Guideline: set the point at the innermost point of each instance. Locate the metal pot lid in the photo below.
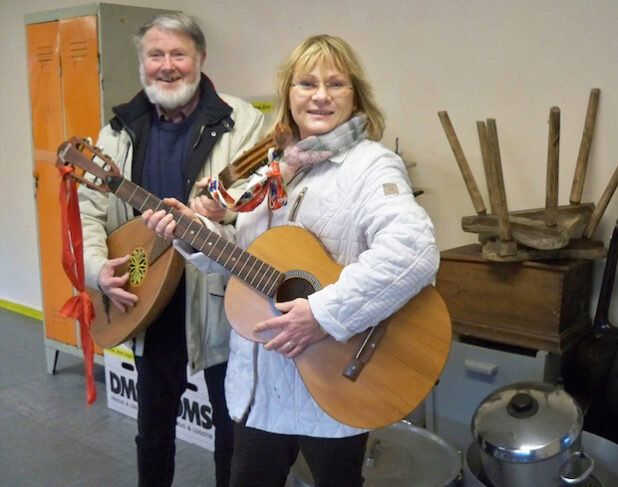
(527, 422)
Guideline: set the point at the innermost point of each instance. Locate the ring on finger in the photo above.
(289, 345)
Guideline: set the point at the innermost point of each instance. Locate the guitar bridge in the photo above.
(364, 353)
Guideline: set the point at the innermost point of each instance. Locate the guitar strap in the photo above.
(79, 306)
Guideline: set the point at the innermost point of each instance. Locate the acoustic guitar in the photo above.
(374, 379)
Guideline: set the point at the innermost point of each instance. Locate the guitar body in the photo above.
(403, 368)
(155, 269)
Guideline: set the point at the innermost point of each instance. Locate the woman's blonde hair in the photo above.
(327, 50)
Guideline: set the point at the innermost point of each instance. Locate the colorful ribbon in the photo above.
(266, 182)
(79, 306)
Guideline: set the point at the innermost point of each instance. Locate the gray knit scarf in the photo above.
(318, 148)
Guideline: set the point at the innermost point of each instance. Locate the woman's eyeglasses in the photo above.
(333, 88)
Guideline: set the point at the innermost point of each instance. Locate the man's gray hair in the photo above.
(177, 22)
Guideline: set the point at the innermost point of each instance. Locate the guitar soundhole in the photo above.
(295, 287)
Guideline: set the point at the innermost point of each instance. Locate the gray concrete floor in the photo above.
(50, 437)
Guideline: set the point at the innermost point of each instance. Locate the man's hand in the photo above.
(205, 206)
(112, 285)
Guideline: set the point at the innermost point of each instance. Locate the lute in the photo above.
(154, 268)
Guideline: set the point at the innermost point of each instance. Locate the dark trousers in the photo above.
(161, 381)
(263, 459)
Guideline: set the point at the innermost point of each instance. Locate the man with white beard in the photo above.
(176, 131)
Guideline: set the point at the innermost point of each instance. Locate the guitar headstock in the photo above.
(283, 136)
(79, 153)
(256, 156)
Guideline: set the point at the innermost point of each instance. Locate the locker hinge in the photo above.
(35, 176)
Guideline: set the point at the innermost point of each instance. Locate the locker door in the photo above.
(48, 133)
(80, 76)
(81, 94)
(65, 98)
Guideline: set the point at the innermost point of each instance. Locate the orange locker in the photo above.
(79, 68)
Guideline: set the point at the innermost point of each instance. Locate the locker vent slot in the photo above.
(45, 54)
(78, 50)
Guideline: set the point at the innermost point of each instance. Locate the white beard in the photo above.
(169, 99)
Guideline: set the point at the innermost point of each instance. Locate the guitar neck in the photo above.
(255, 272)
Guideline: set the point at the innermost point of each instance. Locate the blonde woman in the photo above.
(355, 196)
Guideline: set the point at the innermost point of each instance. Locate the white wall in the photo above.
(477, 59)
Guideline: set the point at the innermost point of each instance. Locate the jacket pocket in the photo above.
(218, 327)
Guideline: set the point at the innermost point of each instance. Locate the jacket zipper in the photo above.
(296, 205)
(199, 136)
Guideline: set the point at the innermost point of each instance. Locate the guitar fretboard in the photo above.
(256, 273)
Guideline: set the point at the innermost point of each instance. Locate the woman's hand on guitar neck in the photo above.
(299, 328)
(112, 285)
(162, 221)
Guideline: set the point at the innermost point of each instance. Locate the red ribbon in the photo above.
(79, 306)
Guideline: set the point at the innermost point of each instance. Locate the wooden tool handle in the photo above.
(473, 190)
(595, 218)
(584, 148)
(553, 153)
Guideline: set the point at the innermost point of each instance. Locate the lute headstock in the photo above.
(102, 175)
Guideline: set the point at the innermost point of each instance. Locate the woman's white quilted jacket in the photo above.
(360, 206)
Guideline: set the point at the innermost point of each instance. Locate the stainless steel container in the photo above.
(530, 433)
(401, 455)
(604, 452)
